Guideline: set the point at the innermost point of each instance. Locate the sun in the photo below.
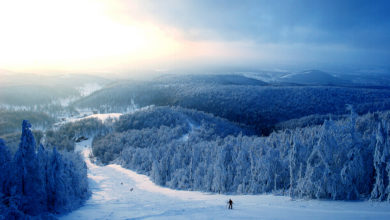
(75, 34)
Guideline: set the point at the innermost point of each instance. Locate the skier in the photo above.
(230, 202)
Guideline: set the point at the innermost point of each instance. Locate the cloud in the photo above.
(95, 35)
(350, 27)
(274, 21)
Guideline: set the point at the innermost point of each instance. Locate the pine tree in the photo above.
(25, 179)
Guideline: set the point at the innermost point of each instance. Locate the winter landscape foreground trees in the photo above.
(39, 182)
(347, 159)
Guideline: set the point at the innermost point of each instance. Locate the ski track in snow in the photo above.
(112, 200)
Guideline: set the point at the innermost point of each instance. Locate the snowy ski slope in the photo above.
(112, 198)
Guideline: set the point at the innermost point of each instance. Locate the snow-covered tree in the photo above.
(335, 160)
(26, 182)
(35, 183)
(381, 162)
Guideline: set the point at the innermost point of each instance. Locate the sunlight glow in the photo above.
(75, 34)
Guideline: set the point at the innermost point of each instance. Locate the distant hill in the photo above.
(30, 95)
(64, 80)
(20, 89)
(219, 79)
(259, 107)
(313, 77)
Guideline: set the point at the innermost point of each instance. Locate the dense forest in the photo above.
(247, 102)
(346, 159)
(36, 182)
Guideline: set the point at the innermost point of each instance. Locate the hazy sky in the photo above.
(111, 35)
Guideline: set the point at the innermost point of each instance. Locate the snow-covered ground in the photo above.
(103, 117)
(85, 114)
(119, 193)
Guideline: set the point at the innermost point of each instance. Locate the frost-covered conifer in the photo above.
(25, 179)
(381, 159)
(34, 183)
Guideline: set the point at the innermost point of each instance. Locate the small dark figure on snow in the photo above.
(121, 183)
(131, 189)
(230, 202)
